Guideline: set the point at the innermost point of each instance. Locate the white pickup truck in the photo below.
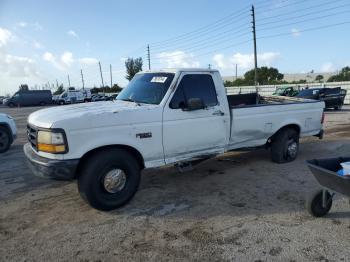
(160, 118)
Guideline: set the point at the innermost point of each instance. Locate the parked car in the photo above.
(98, 97)
(30, 98)
(286, 91)
(333, 97)
(70, 97)
(8, 132)
(1, 99)
(161, 118)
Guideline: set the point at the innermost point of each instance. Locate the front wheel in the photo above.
(5, 140)
(285, 146)
(314, 204)
(109, 179)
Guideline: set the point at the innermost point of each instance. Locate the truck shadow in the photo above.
(236, 184)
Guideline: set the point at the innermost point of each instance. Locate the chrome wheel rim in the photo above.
(292, 149)
(114, 181)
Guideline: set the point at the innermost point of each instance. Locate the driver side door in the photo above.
(192, 133)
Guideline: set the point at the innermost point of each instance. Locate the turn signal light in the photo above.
(51, 148)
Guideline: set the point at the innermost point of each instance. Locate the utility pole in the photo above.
(82, 78)
(255, 55)
(149, 58)
(56, 83)
(103, 85)
(110, 71)
(236, 71)
(68, 82)
(209, 66)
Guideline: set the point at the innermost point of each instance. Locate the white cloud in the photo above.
(5, 36)
(88, 61)
(72, 34)
(328, 67)
(295, 32)
(36, 26)
(66, 60)
(177, 59)
(244, 61)
(37, 45)
(62, 63)
(22, 24)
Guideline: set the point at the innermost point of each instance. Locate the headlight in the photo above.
(51, 142)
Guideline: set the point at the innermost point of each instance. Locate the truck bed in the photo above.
(253, 100)
(254, 119)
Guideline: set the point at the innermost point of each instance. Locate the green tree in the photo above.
(343, 75)
(132, 67)
(266, 76)
(59, 90)
(319, 78)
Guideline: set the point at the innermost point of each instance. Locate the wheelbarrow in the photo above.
(325, 171)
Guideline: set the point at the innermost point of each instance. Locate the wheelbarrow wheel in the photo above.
(314, 204)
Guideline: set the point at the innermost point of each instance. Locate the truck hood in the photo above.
(92, 115)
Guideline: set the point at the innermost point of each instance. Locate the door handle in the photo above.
(218, 113)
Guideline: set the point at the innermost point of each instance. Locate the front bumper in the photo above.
(50, 168)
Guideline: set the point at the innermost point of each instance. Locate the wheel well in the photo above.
(129, 149)
(292, 126)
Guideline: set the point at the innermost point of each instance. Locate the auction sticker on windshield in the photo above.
(158, 79)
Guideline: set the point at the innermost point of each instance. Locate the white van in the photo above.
(74, 96)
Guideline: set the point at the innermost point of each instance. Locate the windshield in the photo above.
(148, 88)
(280, 91)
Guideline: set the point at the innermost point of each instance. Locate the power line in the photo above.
(228, 33)
(201, 29)
(206, 45)
(305, 30)
(305, 20)
(197, 35)
(299, 10)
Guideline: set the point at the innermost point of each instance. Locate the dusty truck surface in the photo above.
(161, 118)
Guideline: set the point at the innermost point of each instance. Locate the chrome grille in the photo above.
(32, 132)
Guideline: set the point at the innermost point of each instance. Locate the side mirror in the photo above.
(194, 104)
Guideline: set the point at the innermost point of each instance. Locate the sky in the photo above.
(43, 41)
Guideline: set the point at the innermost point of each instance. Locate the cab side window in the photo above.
(195, 86)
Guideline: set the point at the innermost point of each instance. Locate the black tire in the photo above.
(92, 176)
(61, 102)
(42, 103)
(5, 139)
(11, 104)
(285, 146)
(314, 204)
(339, 107)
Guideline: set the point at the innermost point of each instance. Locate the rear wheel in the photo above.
(5, 139)
(285, 146)
(339, 107)
(109, 179)
(61, 102)
(42, 103)
(314, 204)
(11, 104)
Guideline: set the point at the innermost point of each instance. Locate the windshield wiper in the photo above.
(130, 100)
